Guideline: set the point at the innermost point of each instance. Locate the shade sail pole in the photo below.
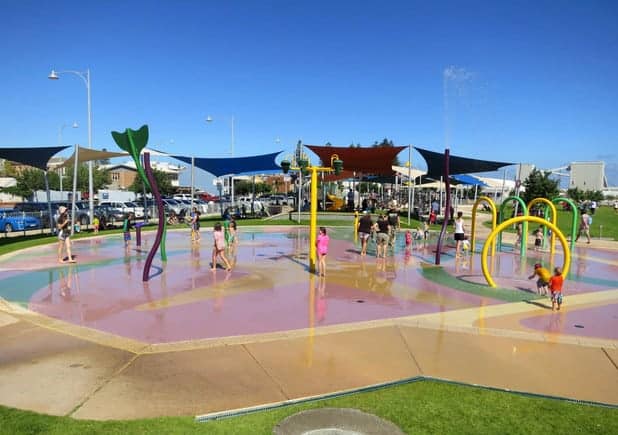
(409, 181)
(447, 206)
(49, 209)
(74, 188)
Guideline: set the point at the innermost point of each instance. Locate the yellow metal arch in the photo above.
(494, 221)
(555, 230)
(554, 219)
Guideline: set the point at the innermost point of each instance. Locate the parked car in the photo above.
(82, 211)
(278, 200)
(231, 212)
(11, 220)
(108, 215)
(178, 208)
(125, 207)
(38, 210)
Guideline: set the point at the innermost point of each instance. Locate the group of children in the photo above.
(225, 236)
(547, 281)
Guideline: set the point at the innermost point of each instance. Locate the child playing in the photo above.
(95, 224)
(322, 247)
(408, 238)
(555, 285)
(195, 226)
(518, 237)
(465, 246)
(538, 239)
(126, 229)
(544, 276)
(218, 249)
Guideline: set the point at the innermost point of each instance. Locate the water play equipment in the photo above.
(554, 220)
(494, 218)
(567, 254)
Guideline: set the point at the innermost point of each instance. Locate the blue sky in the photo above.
(518, 81)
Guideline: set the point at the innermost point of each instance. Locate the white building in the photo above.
(587, 176)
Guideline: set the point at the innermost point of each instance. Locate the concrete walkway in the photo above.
(57, 368)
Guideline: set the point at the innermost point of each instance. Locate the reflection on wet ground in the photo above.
(270, 288)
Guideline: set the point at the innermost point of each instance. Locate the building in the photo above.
(587, 176)
(123, 174)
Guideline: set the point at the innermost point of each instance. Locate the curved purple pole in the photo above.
(161, 211)
(447, 206)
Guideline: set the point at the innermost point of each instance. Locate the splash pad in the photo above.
(270, 289)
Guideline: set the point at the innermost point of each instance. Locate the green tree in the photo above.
(32, 179)
(164, 184)
(575, 194)
(594, 195)
(243, 187)
(539, 185)
(100, 178)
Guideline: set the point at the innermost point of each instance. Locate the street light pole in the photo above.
(231, 184)
(85, 76)
(60, 143)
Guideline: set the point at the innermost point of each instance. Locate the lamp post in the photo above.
(336, 165)
(85, 76)
(210, 119)
(61, 170)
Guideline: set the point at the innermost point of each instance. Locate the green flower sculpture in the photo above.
(133, 142)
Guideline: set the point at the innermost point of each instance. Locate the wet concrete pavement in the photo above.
(92, 341)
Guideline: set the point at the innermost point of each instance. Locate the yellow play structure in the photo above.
(525, 219)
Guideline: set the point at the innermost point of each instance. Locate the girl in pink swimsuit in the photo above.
(322, 247)
(218, 250)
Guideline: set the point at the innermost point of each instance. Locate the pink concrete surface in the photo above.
(600, 322)
(269, 289)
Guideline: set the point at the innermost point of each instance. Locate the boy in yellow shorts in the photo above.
(543, 282)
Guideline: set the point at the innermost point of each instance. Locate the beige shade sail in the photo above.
(403, 170)
(88, 154)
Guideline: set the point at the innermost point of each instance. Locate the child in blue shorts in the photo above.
(126, 228)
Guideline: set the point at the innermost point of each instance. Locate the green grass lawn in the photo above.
(431, 407)
(604, 223)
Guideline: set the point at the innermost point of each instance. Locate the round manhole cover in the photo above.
(335, 421)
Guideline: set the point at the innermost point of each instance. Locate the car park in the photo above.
(82, 211)
(125, 207)
(11, 220)
(38, 210)
(171, 205)
(108, 215)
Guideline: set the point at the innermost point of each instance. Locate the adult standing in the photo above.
(460, 234)
(593, 207)
(435, 207)
(63, 225)
(350, 200)
(394, 225)
(584, 226)
(382, 236)
(364, 231)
